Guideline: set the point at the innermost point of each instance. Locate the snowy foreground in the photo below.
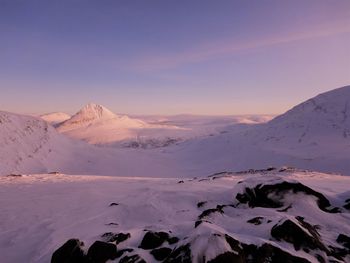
(247, 217)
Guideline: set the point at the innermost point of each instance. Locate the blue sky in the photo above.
(171, 57)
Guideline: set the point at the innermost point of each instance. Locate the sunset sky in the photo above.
(170, 57)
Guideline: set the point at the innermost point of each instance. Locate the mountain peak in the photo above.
(89, 113)
(94, 111)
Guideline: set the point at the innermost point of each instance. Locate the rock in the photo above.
(181, 254)
(100, 252)
(269, 253)
(69, 252)
(132, 259)
(173, 240)
(227, 257)
(234, 244)
(347, 204)
(161, 253)
(292, 233)
(121, 252)
(117, 238)
(14, 175)
(272, 196)
(205, 213)
(344, 240)
(200, 204)
(113, 204)
(256, 220)
(153, 240)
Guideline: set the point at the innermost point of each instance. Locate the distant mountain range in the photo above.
(312, 135)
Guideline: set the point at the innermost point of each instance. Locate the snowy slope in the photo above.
(323, 118)
(216, 209)
(55, 118)
(29, 144)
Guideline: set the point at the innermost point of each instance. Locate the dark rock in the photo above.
(234, 244)
(269, 253)
(344, 240)
(117, 238)
(285, 209)
(207, 212)
(173, 240)
(132, 259)
(197, 223)
(256, 220)
(228, 257)
(180, 182)
(294, 234)
(112, 224)
(100, 252)
(69, 252)
(153, 240)
(347, 204)
(181, 254)
(200, 204)
(14, 175)
(161, 253)
(121, 252)
(113, 204)
(339, 253)
(271, 196)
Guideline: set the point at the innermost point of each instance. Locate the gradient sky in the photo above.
(171, 57)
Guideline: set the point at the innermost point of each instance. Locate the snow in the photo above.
(310, 136)
(77, 206)
(102, 157)
(55, 118)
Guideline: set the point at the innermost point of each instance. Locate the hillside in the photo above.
(55, 118)
(313, 135)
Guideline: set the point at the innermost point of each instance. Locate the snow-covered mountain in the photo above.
(98, 125)
(317, 129)
(323, 118)
(30, 144)
(25, 142)
(312, 135)
(55, 118)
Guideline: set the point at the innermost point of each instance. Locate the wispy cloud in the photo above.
(228, 47)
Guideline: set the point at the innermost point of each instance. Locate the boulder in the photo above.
(293, 233)
(161, 253)
(69, 252)
(100, 252)
(272, 195)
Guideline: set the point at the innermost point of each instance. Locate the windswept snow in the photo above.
(79, 207)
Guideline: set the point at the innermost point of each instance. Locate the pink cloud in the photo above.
(213, 50)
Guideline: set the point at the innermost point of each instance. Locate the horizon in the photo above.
(232, 58)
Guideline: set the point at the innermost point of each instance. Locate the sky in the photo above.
(171, 57)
